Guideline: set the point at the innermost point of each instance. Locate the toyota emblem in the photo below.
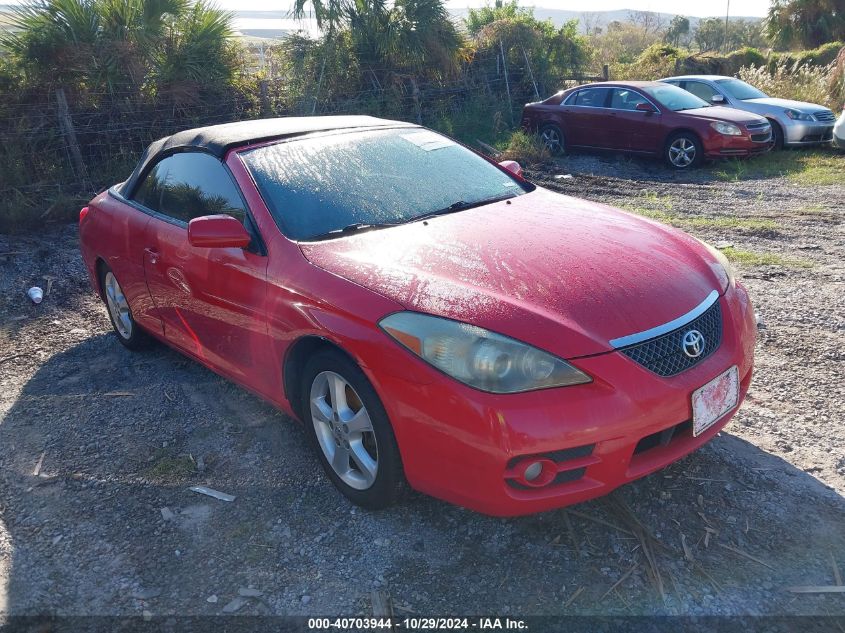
(693, 343)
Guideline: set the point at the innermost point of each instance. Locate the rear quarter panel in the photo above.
(115, 232)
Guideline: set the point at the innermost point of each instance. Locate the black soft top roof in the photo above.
(219, 139)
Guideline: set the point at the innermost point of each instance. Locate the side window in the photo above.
(197, 184)
(700, 90)
(148, 193)
(189, 185)
(623, 99)
(591, 98)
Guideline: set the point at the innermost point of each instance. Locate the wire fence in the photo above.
(58, 149)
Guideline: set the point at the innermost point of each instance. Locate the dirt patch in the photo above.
(108, 526)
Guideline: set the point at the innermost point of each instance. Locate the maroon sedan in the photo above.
(646, 117)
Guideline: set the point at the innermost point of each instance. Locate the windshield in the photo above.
(675, 98)
(319, 185)
(740, 90)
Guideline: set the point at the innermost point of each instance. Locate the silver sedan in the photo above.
(794, 123)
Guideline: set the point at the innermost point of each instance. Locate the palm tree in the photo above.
(807, 23)
(120, 46)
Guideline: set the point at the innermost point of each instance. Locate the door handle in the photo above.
(152, 255)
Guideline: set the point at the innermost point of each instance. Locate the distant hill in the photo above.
(601, 19)
(277, 24)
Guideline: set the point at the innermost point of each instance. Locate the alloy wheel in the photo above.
(551, 139)
(682, 152)
(344, 430)
(118, 306)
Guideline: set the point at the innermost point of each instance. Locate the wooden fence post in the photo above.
(415, 93)
(70, 137)
(605, 72)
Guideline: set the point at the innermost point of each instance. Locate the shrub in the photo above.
(821, 56)
(746, 56)
(525, 149)
(803, 83)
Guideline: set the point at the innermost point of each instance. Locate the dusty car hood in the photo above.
(557, 272)
(802, 106)
(722, 113)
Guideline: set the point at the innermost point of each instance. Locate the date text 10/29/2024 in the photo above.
(418, 624)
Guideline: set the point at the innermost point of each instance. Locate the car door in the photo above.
(212, 301)
(585, 114)
(631, 129)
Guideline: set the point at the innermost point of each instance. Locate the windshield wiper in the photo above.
(462, 205)
(355, 227)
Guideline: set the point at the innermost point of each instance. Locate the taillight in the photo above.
(82, 213)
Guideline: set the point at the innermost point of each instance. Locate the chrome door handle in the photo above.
(152, 255)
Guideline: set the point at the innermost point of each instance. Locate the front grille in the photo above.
(664, 355)
(824, 115)
(761, 125)
(761, 138)
(826, 135)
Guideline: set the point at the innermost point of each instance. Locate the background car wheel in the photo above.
(777, 135)
(351, 432)
(120, 314)
(683, 150)
(553, 140)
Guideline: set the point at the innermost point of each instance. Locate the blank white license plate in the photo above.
(714, 400)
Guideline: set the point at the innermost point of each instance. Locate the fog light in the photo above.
(533, 471)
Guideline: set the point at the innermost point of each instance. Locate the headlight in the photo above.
(728, 129)
(725, 270)
(795, 115)
(480, 358)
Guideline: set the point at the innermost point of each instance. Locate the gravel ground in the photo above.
(108, 525)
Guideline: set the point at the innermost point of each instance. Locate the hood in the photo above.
(722, 113)
(801, 106)
(560, 273)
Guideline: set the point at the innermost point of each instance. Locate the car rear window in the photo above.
(317, 185)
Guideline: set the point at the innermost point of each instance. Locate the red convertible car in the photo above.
(432, 318)
(646, 117)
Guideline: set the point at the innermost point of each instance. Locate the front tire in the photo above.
(120, 314)
(351, 433)
(551, 136)
(777, 135)
(683, 150)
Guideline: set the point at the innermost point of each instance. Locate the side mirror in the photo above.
(217, 231)
(513, 167)
(717, 99)
(644, 106)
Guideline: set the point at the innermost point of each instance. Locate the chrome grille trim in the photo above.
(824, 115)
(665, 355)
(674, 324)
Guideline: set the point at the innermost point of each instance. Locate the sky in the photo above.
(700, 8)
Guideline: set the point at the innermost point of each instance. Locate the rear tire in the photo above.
(552, 138)
(120, 314)
(683, 151)
(350, 431)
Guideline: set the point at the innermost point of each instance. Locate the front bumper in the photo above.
(807, 132)
(459, 444)
(720, 146)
